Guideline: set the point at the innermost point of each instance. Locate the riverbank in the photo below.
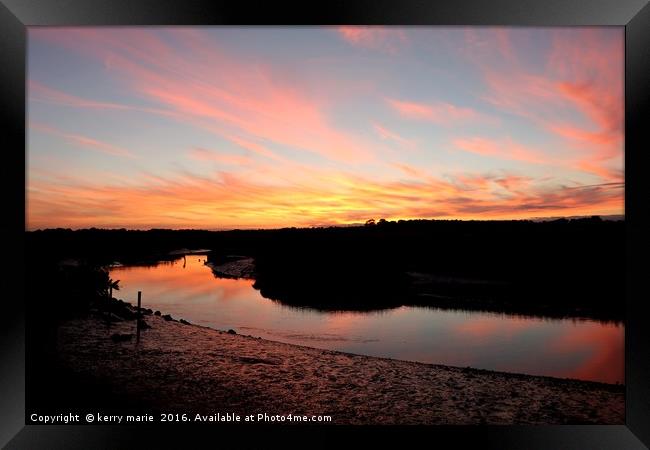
(421, 289)
(178, 367)
(234, 267)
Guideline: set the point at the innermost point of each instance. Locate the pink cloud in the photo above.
(219, 93)
(614, 174)
(201, 154)
(411, 171)
(516, 186)
(577, 96)
(40, 92)
(387, 39)
(513, 183)
(84, 141)
(386, 134)
(504, 43)
(254, 147)
(440, 112)
(471, 182)
(504, 149)
(604, 109)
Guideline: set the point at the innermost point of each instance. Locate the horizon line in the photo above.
(605, 217)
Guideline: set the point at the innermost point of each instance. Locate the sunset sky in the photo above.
(243, 127)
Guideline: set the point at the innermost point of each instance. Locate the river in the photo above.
(573, 348)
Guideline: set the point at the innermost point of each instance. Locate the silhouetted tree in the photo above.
(112, 284)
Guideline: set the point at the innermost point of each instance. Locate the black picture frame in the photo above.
(16, 15)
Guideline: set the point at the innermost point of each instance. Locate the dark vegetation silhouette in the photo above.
(562, 268)
(558, 268)
(56, 292)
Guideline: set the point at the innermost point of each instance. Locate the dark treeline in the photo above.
(562, 268)
(557, 268)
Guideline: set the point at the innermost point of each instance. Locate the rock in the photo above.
(231, 331)
(143, 325)
(184, 322)
(147, 311)
(167, 317)
(117, 337)
(124, 312)
(157, 313)
(115, 318)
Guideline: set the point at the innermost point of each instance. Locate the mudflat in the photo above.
(179, 367)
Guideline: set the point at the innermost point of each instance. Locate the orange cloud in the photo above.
(513, 182)
(226, 200)
(201, 154)
(410, 170)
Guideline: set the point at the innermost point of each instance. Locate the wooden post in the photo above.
(139, 316)
(108, 305)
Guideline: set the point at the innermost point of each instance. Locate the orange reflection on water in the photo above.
(603, 347)
(581, 349)
(568, 348)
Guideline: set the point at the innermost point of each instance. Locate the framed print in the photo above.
(361, 218)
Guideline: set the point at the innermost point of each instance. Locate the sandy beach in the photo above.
(178, 367)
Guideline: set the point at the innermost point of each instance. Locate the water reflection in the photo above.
(186, 288)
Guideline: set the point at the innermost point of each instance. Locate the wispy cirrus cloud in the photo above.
(387, 39)
(221, 94)
(441, 113)
(84, 141)
(266, 140)
(230, 200)
(505, 148)
(576, 96)
(589, 74)
(42, 93)
(202, 154)
(386, 134)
